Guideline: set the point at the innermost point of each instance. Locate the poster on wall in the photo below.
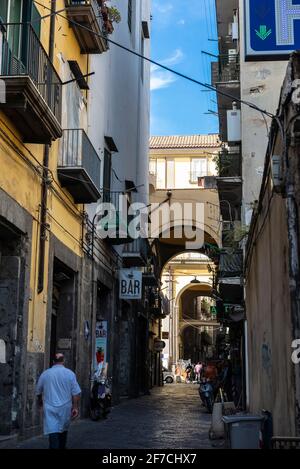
(101, 344)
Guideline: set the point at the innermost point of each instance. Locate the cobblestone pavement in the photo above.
(172, 418)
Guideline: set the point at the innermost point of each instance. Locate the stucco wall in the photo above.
(269, 319)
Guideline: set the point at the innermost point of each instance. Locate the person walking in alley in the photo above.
(58, 392)
(198, 369)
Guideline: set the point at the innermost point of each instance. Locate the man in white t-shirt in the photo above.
(59, 393)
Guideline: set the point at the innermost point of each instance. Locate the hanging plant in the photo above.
(110, 15)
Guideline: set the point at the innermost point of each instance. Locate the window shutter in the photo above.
(36, 20)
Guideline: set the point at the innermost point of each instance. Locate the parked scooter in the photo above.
(206, 393)
(100, 401)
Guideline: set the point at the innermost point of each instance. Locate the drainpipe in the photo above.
(44, 192)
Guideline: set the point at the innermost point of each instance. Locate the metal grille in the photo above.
(23, 54)
(228, 68)
(78, 152)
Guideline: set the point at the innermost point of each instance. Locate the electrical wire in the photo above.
(160, 65)
(39, 168)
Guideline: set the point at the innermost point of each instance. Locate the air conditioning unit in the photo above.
(234, 124)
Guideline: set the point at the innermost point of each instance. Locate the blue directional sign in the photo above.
(272, 28)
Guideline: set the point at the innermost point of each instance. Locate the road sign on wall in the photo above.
(272, 28)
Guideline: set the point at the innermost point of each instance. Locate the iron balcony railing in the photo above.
(229, 164)
(115, 220)
(79, 152)
(139, 246)
(96, 5)
(228, 68)
(24, 55)
(231, 263)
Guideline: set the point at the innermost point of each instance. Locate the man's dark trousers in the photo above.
(58, 440)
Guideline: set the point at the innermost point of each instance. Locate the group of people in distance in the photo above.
(194, 372)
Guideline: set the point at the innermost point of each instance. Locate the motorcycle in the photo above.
(100, 401)
(206, 393)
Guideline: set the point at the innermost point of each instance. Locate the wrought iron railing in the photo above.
(228, 68)
(231, 263)
(114, 220)
(138, 246)
(24, 55)
(96, 5)
(229, 164)
(79, 152)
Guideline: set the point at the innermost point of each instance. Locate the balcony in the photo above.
(135, 254)
(227, 69)
(230, 276)
(113, 223)
(89, 30)
(158, 305)
(229, 164)
(33, 88)
(79, 167)
(226, 78)
(231, 263)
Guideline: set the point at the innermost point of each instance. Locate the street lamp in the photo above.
(195, 280)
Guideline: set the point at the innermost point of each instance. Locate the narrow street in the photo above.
(172, 417)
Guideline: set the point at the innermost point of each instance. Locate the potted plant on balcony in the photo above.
(110, 15)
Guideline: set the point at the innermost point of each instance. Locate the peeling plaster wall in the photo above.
(271, 384)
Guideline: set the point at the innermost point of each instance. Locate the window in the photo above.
(152, 167)
(130, 15)
(17, 12)
(170, 174)
(198, 169)
(164, 170)
(36, 20)
(161, 173)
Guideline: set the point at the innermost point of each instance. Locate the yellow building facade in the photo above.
(49, 172)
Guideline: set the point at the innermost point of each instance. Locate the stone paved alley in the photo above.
(172, 417)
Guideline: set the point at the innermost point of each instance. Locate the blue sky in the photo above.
(181, 29)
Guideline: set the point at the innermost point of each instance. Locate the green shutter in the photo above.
(36, 20)
(3, 10)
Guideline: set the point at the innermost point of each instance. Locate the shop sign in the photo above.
(130, 284)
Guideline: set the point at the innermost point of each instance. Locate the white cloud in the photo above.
(174, 59)
(162, 9)
(162, 78)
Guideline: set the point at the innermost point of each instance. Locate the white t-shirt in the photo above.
(58, 384)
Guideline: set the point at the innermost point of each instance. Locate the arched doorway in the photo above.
(188, 281)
